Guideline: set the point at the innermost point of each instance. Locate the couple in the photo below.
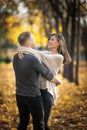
(35, 83)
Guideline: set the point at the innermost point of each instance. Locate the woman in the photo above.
(53, 59)
(56, 45)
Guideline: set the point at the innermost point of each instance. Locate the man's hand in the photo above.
(56, 81)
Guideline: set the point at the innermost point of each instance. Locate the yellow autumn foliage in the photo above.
(68, 113)
(23, 25)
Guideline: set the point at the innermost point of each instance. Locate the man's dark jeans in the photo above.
(48, 102)
(33, 105)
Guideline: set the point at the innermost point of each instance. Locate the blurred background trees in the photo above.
(42, 18)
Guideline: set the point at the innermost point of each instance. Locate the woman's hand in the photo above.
(20, 55)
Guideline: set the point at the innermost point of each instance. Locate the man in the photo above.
(28, 95)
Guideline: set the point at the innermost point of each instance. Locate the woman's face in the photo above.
(53, 43)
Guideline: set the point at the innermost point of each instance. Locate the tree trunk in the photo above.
(73, 30)
(66, 35)
(78, 41)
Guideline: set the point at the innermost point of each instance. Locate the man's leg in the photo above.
(23, 113)
(48, 102)
(37, 112)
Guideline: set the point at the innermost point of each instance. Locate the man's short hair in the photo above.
(22, 38)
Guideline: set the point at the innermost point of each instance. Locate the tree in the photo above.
(84, 38)
(6, 9)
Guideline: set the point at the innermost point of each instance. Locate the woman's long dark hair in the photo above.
(62, 49)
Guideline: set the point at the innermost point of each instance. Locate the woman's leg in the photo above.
(48, 102)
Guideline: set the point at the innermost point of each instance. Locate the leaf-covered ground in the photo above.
(68, 113)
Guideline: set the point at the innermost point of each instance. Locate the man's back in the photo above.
(27, 74)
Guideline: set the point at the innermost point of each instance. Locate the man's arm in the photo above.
(44, 71)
